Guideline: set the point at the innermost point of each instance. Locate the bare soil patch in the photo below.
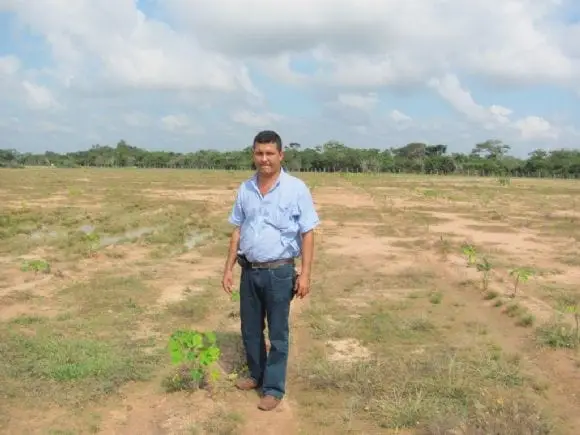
(334, 196)
(211, 195)
(501, 236)
(347, 350)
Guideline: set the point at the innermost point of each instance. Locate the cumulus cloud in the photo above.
(399, 117)
(111, 42)
(379, 42)
(494, 117)
(364, 102)
(333, 68)
(9, 65)
(534, 127)
(450, 89)
(39, 97)
(180, 124)
(253, 119)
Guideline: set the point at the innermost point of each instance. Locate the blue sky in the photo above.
(189, 74)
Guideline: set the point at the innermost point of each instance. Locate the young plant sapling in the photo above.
(575, 310)
(94, 240)
(471, 253)
(37, 266)
(520, 274)
(196, 351)
(235, 297)
(484, 266)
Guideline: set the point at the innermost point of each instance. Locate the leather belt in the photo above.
(271, 264)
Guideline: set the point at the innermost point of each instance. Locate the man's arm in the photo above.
(307, 252)
(233, 250)
(236, 218)
(307, 221)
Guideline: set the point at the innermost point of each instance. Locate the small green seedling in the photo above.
(575, 310)
(94, 241)
(471, 253)
(197, 351)
(520, 274)
(37, 266)
(235, 297)
(485, 267)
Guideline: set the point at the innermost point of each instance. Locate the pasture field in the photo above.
(415, 324)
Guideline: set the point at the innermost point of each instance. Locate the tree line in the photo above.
(489, 158)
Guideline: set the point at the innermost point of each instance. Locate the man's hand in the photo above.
(302, 287)
(228, 281)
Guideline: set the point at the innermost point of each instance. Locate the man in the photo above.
(274, 218)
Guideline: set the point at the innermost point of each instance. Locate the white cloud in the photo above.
(495, 117)
(253, 119)
(9, 65)
(400, 121)
(500, 111)
(364, 102)
(279, 67)
(534, 127)
(39, 97)
(392, 41)
(399, 117)
(180, 124)
(113, 43)
(450, 89)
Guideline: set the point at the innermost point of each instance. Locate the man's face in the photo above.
(267, 158)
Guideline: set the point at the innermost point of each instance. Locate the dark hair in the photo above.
(268, 136)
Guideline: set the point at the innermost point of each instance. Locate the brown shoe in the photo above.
(246, 384)
(268, 403)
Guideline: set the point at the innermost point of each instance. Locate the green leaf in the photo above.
(196, 375)
(196, 340)
(205, 358)
(215, 374)
(176, 357)
(211, 337)
(191, 356)
(197, 348)
(214, 353)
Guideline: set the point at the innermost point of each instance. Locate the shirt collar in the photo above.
(281, 177)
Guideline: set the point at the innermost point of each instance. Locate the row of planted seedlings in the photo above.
(557, 333)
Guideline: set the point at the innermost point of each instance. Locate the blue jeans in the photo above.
(266, 294)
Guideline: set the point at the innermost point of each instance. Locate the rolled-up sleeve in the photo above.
(308, 218)
(237, 215)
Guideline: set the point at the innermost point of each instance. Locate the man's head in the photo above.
(268, 152)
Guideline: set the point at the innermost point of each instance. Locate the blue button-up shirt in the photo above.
(271, 225)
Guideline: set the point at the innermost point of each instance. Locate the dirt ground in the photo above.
(439, 305)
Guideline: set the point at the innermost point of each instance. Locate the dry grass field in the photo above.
(412, 327)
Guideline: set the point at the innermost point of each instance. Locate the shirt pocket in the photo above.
(285, 216)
